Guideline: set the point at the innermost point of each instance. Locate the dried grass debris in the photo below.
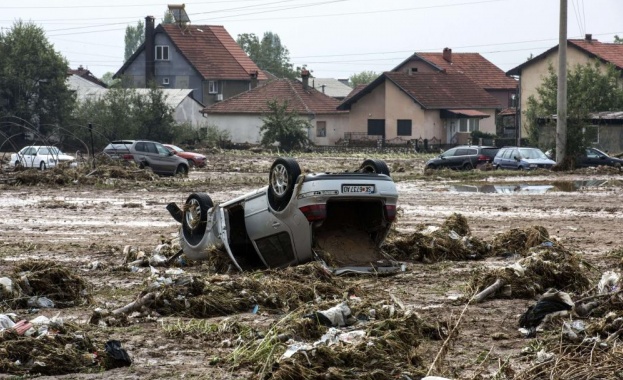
(519, 240)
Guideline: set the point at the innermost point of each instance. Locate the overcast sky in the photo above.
(335, 38)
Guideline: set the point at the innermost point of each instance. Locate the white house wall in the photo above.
(189, 111)
(246, 128)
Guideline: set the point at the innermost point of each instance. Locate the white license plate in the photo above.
(368, 189)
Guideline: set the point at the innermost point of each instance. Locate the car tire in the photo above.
(497, 167)
(42, 165)
(374, 166)
(181, 170)
(195, 217)
(467, 166)
(430, 166)
(281, 181)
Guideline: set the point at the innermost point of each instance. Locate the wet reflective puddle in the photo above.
(540, 188)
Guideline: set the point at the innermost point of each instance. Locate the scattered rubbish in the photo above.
(550, 303)
(6, 322)
(116, 356)
(339, 316)
(609, 282)
(40, 302)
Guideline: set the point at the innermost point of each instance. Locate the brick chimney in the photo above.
(150, 50)
(253, 76)
(588, 38)
(305, 77)
(447, 54)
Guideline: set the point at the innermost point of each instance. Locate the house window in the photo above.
(162, 53)
(468, 125)
(321, 129)
(213, 87)
(404, 128)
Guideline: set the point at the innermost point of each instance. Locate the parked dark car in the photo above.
(464, 157)
(150, 154)
(595, 157)
(522, 158)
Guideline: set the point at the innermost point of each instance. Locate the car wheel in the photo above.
(497, 167)
(42, 165)
(195, 217)
(182, 170)
(374, 166)
(282, 178)
(467, 166)
(521, 168)
(430, 166)
(191, 164)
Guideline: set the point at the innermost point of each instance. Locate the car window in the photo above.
(489, 152)
(151, 148)
(276, 249)
(507, 153)
(465, 152)
(175, 148)
(449, 153)
(44, 151)
(140, 147)
(162, 150)
(592, 153)
(28, 151)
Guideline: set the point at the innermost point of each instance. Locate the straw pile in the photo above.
(519, 240)
(545, 267)
(451, 241)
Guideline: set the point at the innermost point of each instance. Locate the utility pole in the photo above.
(92, 149)
(561, 120)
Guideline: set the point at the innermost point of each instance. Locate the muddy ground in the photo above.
(77, 225)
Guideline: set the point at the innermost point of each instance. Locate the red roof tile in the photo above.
(443, 90)
(354, 92)
(212, 51)
(606, 52)
(300, 100)
(475, 66)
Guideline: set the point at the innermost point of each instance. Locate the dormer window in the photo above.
(162, 52)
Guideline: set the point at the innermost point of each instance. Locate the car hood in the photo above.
(539, 161)
(189, 154)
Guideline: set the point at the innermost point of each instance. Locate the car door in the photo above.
(446, 158)
(167, 160)
(506, 159)
(463, 157)
(593, 158)
(146, 155)
(271, 236)
(27, 156)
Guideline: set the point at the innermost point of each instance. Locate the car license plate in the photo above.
(367, 189)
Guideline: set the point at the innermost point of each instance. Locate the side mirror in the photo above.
(516, 158)
(171, 153)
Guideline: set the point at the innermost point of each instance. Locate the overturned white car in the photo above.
(341, 218)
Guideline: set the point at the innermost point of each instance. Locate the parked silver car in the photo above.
(148, 154)
(343, 215)
(521, 158)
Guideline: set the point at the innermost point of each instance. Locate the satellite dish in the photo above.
(178, 13)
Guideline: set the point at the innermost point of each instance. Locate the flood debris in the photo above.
(519, 240)
(164, 254)
(194, 296)
(551, 303)
(546, 266)
(46, 346)
(44, 284)
(450, 241)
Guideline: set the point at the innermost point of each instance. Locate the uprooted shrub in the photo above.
(519, 240)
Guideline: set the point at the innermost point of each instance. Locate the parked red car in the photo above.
(194, 159)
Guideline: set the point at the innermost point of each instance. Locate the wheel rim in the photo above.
(279, 180)
(193, 213)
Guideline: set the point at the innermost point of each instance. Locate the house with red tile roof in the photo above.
(204, 58)
(432, 106)
(476, 67)
(579, 52)
(241, 115)
(86, 74)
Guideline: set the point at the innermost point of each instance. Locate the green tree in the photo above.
(284, 126)
(589, 89)
(618, 40)
(125, 114)
(168, 18)
(109, 80)
(268, 54)
(134, 37)
(32, 81)
(363, 77)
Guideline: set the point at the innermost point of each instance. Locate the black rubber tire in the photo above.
(42, 165)
(181, 170)
(467, 166)
(281, 181)
(497, 167)
(431, 167)
(374, 166)
(195, 216)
